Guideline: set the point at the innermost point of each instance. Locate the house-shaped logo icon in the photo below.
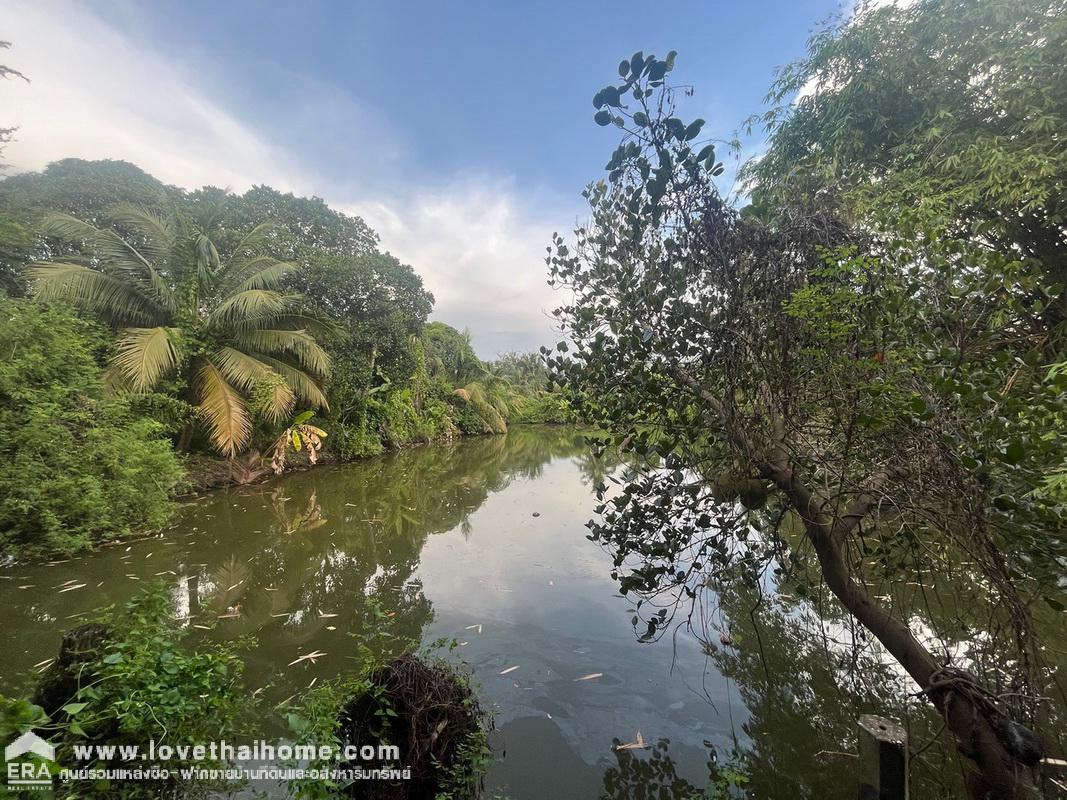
(29, 742)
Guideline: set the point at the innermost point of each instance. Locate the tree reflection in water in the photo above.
(346, 541)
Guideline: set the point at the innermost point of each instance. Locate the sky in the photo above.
(461, 131)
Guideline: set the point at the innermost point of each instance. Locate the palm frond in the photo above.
(207, 259)
(145, 355)
(299, 343)
(223, 409)
(309, 320)
(305, 386)
(114, 253)
(246, 372)
(158, 232)
(111, 297)
(257, 303)
(251, 245)
(261, 272)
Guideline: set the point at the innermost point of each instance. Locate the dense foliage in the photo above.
(797, 382)
(217, 323)
(76, 465)
(224, 317)
(130, 679)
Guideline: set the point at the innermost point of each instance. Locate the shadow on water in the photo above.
(481, 541)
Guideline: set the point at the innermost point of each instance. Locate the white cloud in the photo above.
(488, 255)
(95, 93)
(100, 92)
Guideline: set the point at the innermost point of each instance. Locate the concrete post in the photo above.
(883, 756)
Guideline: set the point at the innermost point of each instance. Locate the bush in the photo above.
(427, 709)
(352, 440)
(466, 418)
(76, 468)
(544, 407)
(421, 703)
(126, 680)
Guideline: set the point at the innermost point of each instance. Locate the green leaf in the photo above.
(610, 96)
(602, 118)
(1015, 452)
(73, 708)
(637, 63)
(624, 67)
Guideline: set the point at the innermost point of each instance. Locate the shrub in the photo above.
(421, 703)
(466, 418)
(129, 679)
(76, 467)
(544, 407)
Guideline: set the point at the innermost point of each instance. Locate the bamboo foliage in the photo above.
(218, 322)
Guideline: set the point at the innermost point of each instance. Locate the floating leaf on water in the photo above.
(312, 657)
(590, 676)
(636, 744)
(509, 669)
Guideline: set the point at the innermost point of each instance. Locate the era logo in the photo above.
(29, 774)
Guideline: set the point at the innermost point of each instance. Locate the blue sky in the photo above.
(461, 130)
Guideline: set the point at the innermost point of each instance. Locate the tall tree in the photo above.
(236, 344)
(934, 119)
(799, 376)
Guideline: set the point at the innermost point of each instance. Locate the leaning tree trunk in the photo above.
(967, 714)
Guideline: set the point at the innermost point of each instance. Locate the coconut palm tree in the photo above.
(236, 343)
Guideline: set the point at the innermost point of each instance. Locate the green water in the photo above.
(444, 539)
(484, 541)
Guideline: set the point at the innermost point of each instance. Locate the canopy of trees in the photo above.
(221, 318)
(817, 380)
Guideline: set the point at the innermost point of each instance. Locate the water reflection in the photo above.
(484, 541)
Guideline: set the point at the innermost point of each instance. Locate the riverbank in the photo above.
(435, 542)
